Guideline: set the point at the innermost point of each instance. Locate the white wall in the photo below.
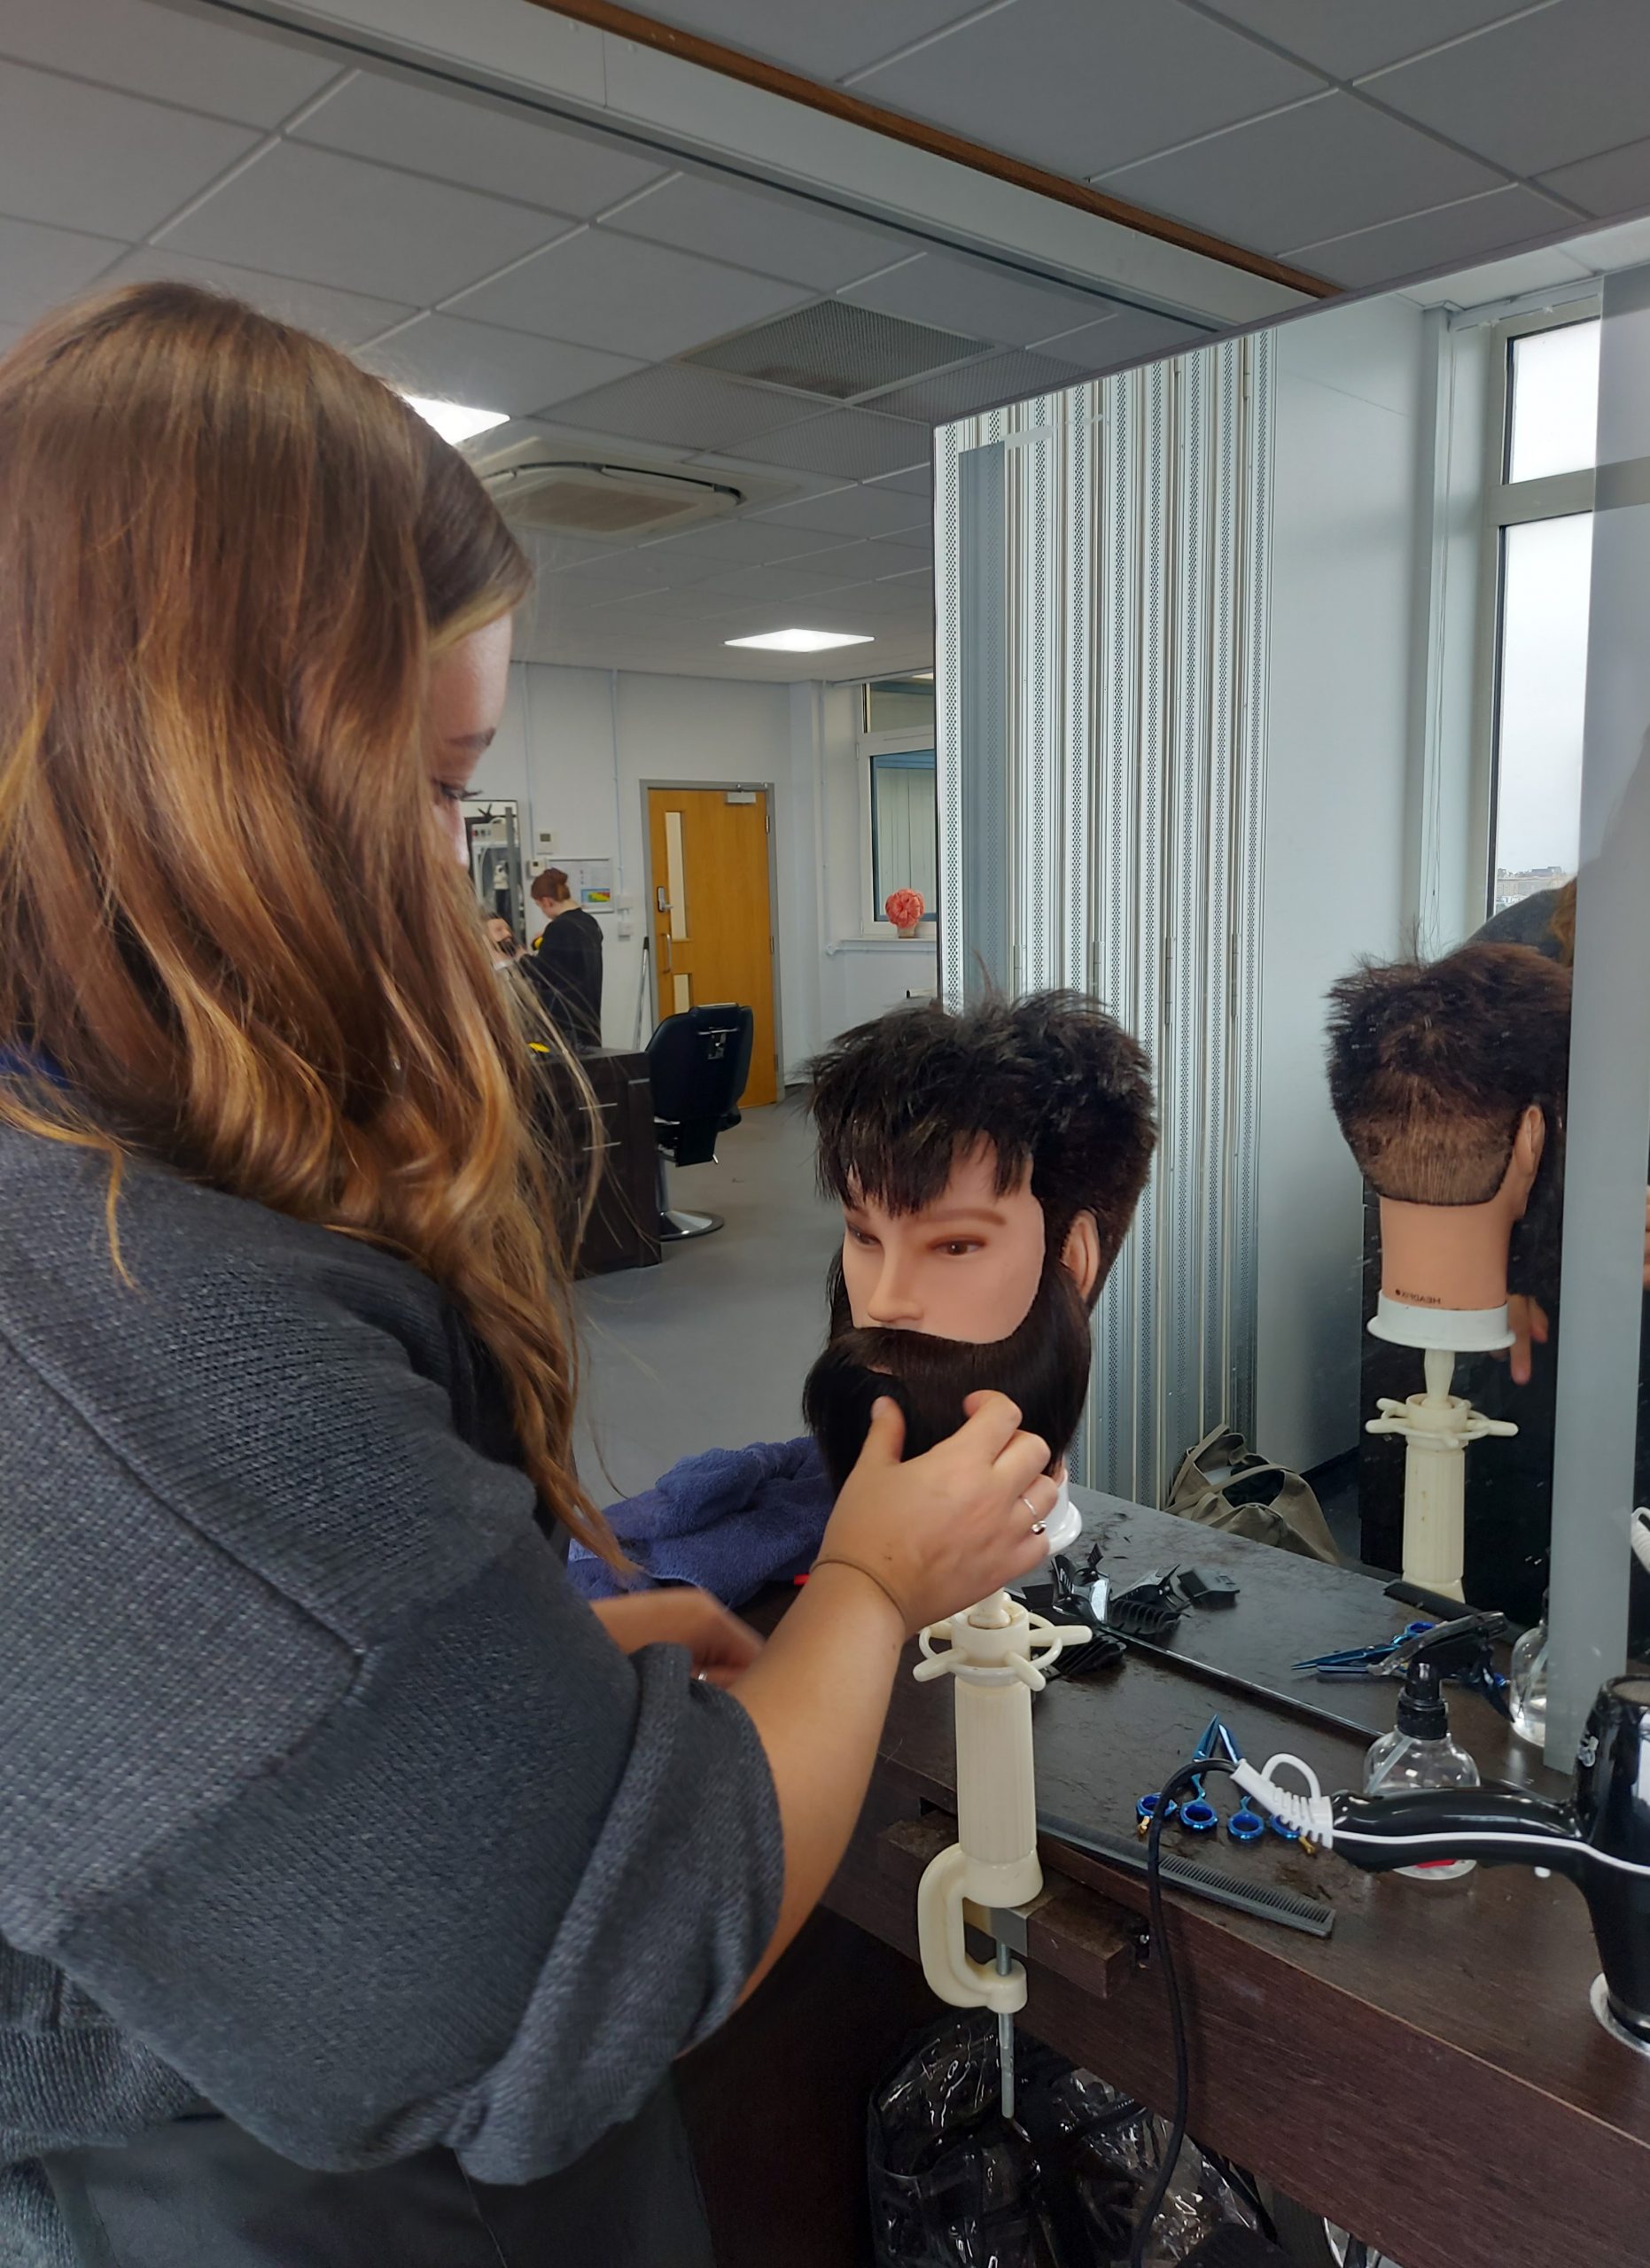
(1343, 650)
(573, 749)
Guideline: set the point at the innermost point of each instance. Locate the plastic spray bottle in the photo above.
(1420, 1753)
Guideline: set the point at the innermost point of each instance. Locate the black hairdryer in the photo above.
(1600, 1838)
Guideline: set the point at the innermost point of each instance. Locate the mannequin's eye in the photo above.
(959, 1247)
(862, 1238)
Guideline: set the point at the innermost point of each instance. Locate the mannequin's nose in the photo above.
(893, 1303)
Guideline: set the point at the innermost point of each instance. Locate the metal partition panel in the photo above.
(1602, 1295)
(1115, 825)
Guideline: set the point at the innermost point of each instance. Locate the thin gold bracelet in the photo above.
(834, 1560)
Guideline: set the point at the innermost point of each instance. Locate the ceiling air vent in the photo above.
(536, 488)
(837, 349)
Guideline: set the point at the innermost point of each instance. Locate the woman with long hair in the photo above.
(358, 1883)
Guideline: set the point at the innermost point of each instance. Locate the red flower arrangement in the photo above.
(904, 909)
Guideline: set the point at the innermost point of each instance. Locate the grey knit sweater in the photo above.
(322, 1799)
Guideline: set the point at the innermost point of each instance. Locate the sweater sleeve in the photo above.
(374, 1865)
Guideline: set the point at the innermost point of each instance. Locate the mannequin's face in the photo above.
(968, 1266)
(468, 686)
(932, 1306)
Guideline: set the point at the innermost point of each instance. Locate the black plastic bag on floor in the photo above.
(954, 2186)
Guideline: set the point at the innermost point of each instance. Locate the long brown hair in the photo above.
(229, 922)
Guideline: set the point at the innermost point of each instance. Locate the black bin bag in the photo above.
(953, 2186)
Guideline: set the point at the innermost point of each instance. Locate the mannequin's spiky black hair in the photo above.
(1051, 1082)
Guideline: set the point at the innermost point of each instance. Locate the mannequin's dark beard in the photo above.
(1043, 1366)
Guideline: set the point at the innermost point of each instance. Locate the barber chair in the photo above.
(698, 1063)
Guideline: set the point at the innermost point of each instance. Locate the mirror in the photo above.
(1267, 662)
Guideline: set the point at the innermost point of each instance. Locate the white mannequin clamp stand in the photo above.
(996, 1653)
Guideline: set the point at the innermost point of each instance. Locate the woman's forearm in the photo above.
(818, 1696)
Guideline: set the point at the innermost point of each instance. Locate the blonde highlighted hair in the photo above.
(231, 928)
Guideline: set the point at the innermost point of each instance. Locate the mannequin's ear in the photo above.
(1530, 1139)
(1080, 1256)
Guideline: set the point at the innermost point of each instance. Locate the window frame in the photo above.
(1509, 504)
(874, 924)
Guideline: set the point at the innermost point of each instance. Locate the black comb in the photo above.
(1287, 1907)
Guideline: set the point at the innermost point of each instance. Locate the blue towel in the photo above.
(729, 1520)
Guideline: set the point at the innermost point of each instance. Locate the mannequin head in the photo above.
(988, 1164)
(1448, 1079)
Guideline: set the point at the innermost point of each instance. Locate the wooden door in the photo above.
(711, 916)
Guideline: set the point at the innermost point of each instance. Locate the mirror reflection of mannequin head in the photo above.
(1448, 1079)
(988, 1164)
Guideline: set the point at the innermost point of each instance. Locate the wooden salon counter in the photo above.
(1429, 2076)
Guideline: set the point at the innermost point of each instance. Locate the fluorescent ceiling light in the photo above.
(453, 421)
(801, 641)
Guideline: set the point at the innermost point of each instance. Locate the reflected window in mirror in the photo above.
(1539, 534)
(905, 851)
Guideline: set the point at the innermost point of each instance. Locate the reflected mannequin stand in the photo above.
(1446, 1079)
(988, 1164)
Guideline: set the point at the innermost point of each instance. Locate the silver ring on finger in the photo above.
(1037, 1525)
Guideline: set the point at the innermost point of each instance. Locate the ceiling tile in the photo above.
(632, 570)
(742, 543)
(1078, 88)
(776, 235)
(499, 146)
(344, 317)
(1501, 279)
(1428, 240)
(1127, 337)
(258, 77)
(820, 43)
(1552, 86)
(1618, 181)
(334, 220)
(853, 512)
(912, 480)
(576, 442)
(979, 386)
(838, 349)
(39, 267)
(979, 297)
(1345, 37)
(854, 443)
(787, 584)
(869, 562)
(695, 409)
(489, 368)
(80, 157)
(1601, 250)
(1336, 164)
(600, 289)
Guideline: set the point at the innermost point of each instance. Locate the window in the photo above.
(905, 846)
(899, 704)
(1540, 529)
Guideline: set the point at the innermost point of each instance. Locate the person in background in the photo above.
(501, 937)
(566, 963)
(360, 1885)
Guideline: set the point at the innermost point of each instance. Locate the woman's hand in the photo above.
(719, 1644)
(953, 1525)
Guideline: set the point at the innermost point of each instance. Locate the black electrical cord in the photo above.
(1187, 1776)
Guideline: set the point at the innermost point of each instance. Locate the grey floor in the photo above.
(709, 1349)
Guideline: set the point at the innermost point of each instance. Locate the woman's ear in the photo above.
(1080, 1257)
